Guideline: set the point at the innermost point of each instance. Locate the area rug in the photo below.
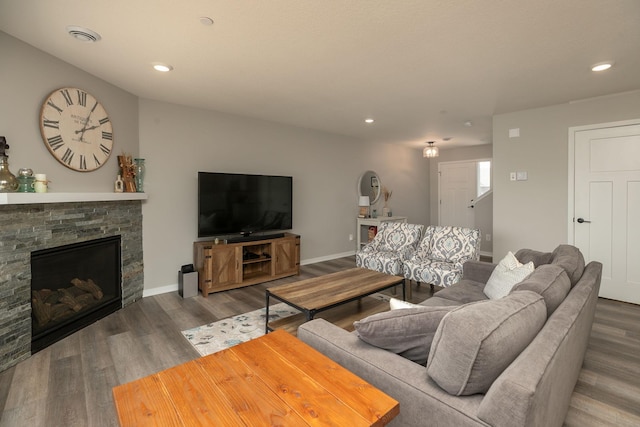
(225, 333)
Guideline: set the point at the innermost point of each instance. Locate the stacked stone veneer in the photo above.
(28, 228)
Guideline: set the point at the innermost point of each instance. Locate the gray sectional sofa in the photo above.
(483, 367)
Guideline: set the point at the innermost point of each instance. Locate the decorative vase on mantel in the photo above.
(127, 171)
(140, 172)
(8, 181)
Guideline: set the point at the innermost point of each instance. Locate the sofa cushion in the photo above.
(463, 292)
(504, 277)
(478, 271)
(536, 257)
(437, 301)
(549, 281)
(570, 258)
(475, 342)
(407, 332)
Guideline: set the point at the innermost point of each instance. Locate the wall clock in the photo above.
(76, 129)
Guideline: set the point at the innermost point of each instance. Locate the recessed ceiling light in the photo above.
(369, 121)
(602, 66)
(164, 68)
(83, 34)
(205, 20)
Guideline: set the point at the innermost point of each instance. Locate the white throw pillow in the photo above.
(506, 275)
(395, 304)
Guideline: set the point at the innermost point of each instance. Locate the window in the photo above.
(483, 169)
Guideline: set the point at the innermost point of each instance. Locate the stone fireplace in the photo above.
(31, 227)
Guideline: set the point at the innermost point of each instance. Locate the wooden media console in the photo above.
(227, 266)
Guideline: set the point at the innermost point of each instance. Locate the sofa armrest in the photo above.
(420, 398)
(478, 271)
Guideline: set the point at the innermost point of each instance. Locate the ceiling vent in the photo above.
(83, 34)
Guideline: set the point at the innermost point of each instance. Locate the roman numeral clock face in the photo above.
(76, 129)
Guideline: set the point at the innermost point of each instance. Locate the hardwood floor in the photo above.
(608, 389)
(69, 383)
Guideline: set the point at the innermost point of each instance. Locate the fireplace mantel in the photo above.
(33, 198)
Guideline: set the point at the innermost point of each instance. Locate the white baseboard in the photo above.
(161, 290)
(172, 288)
(489, 254)
(327, 258)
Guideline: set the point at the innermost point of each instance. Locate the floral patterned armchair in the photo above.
(440, 255)
(394, 243)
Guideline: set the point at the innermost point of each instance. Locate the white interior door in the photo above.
(457, 186)
(606, 224)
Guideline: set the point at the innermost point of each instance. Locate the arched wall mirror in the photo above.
(370, 185)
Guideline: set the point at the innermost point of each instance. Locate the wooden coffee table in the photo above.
(317, 294)
(272, 380)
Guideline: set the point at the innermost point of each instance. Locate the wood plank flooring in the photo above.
(69, 383)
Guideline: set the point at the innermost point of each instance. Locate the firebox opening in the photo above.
(72, 286)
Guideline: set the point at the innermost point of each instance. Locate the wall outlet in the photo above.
(514, 133)
(487, 237)
(350, 237)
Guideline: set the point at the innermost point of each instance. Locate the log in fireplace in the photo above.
(72, 286)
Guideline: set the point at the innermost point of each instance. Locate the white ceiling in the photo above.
(420, 68)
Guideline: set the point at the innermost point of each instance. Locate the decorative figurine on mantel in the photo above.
(118, 186)
(26, 180)
(128, 173)
(8, 181)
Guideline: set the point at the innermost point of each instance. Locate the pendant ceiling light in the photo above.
(430, 151)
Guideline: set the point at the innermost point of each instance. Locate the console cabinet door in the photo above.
(287, 256)
(223, 266)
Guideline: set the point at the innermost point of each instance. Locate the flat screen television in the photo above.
(241, 204)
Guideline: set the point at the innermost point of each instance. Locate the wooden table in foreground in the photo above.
(321, 293)
(272, 380)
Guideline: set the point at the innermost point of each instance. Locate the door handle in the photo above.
(581, 220)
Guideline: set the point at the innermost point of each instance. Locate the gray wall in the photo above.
(178, 141)
(27, 76)
(534, 213)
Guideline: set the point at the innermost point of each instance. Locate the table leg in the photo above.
(266, 315)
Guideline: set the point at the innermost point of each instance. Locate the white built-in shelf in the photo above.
(31, 198)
